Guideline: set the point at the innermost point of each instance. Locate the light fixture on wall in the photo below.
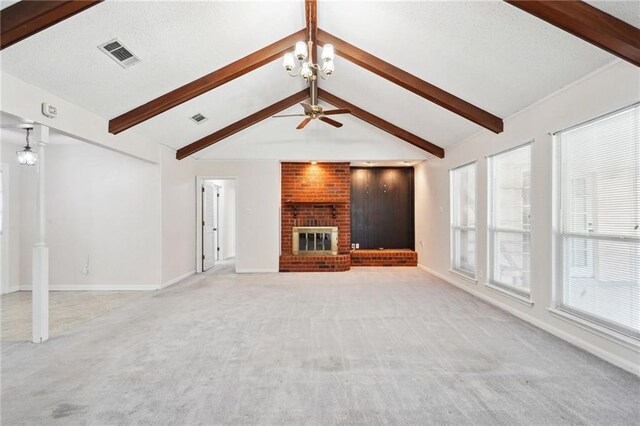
(27, 157)
(305, 65)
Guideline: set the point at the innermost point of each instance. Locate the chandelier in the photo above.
(304, 67)
(27, 157)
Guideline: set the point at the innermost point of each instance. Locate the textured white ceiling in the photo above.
(486, 52)
(626, 10)
(278, 138)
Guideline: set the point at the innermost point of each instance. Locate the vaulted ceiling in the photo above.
(490, 54)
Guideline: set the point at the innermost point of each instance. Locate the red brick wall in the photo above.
(390, 257)
(316, 183)
(303, 184)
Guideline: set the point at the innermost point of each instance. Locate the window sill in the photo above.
(465, 277)
(511, 295)
(604, 332)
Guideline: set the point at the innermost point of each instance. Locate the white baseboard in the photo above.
(178, 279)
(12, 289)
(599, 352)
(98, 287)
(256, 271)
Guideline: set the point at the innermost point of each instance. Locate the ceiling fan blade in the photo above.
(334, 123)
(308, 109)
(337, 111)
(303, 123)
(288, 115)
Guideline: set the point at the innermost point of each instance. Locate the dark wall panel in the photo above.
(382, 213)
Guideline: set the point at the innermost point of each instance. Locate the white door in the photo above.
(209, 231)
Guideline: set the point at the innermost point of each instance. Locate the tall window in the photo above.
(510, 220)
(463, 220)
(600, 221)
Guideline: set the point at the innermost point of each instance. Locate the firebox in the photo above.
(315, 240)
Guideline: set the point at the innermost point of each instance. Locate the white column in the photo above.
(40, 273)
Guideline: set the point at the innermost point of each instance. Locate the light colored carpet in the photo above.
(370, 346)
(66, 310)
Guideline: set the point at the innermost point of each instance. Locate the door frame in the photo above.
(5, 237)
(199, 182)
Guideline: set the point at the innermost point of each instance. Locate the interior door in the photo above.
(209, 237)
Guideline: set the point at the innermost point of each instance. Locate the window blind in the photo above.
(600, 216)
(463, 219)
(510, 219)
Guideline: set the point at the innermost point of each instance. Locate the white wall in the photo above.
(227, 217)
(15, 175)
(611, 88)
(102, 212)
(258, 210)
(178, 217)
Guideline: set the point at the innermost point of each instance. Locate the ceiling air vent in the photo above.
(198, 118)
(116, 51)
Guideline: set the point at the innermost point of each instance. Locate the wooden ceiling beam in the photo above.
(382, 124)
(412, 83)
(26, 18)
(588, 23)
(204, 84)
(248, 121)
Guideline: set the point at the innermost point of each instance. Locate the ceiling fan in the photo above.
(313, 110)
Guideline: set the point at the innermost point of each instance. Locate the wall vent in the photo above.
(116, 51)
(198, 118)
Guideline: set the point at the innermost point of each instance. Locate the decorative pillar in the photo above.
(40, 271)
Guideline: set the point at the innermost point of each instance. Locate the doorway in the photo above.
(217, 223)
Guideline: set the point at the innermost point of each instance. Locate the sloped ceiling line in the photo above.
(412, 83)
(239, 125)
(26, 18)
(588, 23)
(382, 124)
(204, 84)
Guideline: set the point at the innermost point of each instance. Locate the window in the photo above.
(463, 220)
(510, 220)
(599, 244)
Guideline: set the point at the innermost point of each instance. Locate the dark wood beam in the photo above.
(26, 18)
(382, 124)
(589, 23)
(234, 128)
(412, 83)
(204, 84)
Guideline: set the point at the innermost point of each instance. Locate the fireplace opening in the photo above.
(315, 240)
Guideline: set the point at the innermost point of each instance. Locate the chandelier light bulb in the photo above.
(306, 70)
(289, 61)
(328, 53)
(301, 50)
(328, 67)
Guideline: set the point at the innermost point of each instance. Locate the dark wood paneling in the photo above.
(382, 213)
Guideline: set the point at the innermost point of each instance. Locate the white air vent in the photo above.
(116, 51)
(198, 118)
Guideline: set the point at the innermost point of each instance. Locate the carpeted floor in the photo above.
(370, 346)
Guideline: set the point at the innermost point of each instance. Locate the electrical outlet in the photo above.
(353, 246)
(357, 245)
(85, 270)
(49, 110)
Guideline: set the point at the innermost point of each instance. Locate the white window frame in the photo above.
(453, 228)
(592, 323)
(513, 293)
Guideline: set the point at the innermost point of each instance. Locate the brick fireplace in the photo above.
(315, 195)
